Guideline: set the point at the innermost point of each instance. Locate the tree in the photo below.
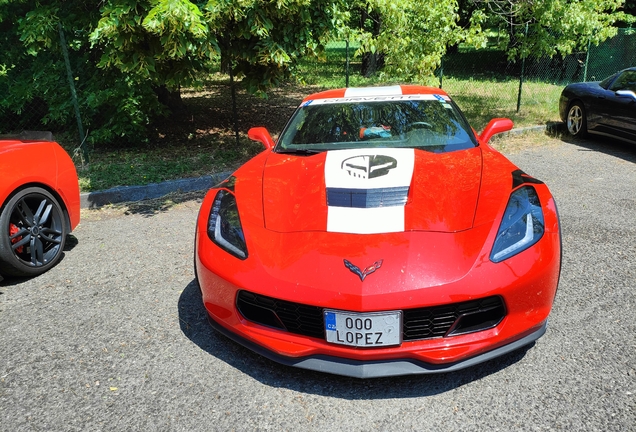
(165, 43)
(263, 40)
(114, 104)
(538, 28)
(130, 58)
(414, 34)
(630, 9)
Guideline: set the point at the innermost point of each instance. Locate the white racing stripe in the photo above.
(372, 98)
(365, 220)
(367, 170)
(373, 91)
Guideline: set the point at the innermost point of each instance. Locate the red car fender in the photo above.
(67, 185)
(44, 164)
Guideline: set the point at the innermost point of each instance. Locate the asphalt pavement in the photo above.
(115, 337)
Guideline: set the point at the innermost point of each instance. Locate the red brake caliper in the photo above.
(13, 230)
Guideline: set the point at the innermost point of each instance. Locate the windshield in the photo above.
(427, 122)
(607, 81)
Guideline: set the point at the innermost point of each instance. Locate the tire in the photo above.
(33, 232)
(576, 121)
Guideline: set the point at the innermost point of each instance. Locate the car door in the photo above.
(621, 108)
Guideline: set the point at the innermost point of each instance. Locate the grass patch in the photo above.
(198, 141)
(156, 163)
(514, 143)
(201, 139)
(483, 100)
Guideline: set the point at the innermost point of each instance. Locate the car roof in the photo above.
(29, 136)
(396, 90)
(633, 68)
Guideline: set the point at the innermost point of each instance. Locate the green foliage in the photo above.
(551, 27)
(128, 53)
(114, 106)
(263, 40)
(166, 41)
(413, 35)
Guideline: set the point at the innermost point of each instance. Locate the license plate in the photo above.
(376, 329)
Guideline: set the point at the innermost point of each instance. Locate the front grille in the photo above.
(452, 319)
(417, 324)
(293, 317)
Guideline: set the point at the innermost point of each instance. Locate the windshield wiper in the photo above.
(302, 152)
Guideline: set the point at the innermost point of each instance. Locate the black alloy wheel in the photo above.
(576, 120)
(33, 231)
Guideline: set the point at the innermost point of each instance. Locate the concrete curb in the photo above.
(91, 200)
(552, 127)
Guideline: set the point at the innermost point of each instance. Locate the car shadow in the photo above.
(70, 243)
(8, 281)
(194, 324)
(602, 144)
(154, 206)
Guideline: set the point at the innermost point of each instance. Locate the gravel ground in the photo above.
(115, 337)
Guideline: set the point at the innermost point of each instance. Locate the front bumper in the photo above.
(378, 368)
(526, 286)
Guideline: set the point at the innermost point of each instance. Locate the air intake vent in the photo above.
(293, 317)
(453, 319)
(421, 323)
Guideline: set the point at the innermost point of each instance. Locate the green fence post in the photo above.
(347, 64)
(587, 59)
(234, 110)
(71, 84)
(523, 70)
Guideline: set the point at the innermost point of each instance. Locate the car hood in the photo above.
(584, 86)
(372, 191)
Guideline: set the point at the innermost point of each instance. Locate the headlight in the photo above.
(224, 225)
(522, 224)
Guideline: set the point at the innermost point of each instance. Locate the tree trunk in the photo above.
(170, 98)
(371, 62)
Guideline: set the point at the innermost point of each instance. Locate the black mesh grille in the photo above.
(459, 318)
(293, 317)
(417, 324)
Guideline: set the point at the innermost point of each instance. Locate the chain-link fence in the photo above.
(483, 82)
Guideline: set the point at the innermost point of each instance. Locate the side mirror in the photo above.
(626, 93)
(496, 125)
(261, 135)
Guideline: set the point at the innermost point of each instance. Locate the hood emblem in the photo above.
(369, 166)
(363, 273)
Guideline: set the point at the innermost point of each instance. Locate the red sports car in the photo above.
(39, 203)
(380, 235)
